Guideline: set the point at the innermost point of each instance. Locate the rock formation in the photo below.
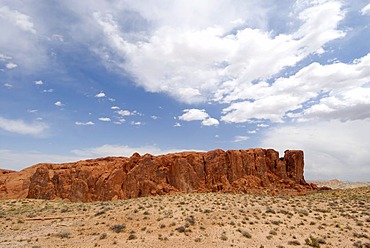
(238, 171)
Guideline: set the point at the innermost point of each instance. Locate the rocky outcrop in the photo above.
(239, 171)
(15, 185)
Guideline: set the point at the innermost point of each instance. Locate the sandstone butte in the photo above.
(235, 171)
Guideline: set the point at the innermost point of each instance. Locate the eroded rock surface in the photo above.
(239, 171)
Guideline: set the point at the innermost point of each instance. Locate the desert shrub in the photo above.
(64, 234)
(286, 212)
(190, 220)
(357, 244)
(181, 229)
(273, 232)
(223, 236)
(294, 242)
(276, 222)
(359, 223)
(103, 236)
(64, 210)
(321, 210)
(270, 211)
(302, 212)
(314, 242)
(132, 237)
(360, 235)
(118, 228)
(100, 212)
(245, 233)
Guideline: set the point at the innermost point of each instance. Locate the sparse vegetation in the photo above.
(192, 220)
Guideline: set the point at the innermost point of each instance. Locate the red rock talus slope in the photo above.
(240, 171)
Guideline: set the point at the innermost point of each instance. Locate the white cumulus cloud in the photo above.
(210, 122)
(345, 85)
(198, 115)
(218, 62)
(58, 104)
(124, 112)
(100, 95)
(193, 115)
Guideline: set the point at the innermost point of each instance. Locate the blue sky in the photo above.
(86, 79)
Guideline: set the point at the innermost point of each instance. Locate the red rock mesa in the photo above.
(234, 171)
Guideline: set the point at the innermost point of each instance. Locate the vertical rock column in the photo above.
(294, 165)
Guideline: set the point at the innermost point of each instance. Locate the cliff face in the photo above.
(239, 171)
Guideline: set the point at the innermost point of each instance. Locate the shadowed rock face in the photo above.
(239, 171)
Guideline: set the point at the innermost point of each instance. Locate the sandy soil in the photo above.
(339, 218)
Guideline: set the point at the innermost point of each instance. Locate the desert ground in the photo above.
(337, 218)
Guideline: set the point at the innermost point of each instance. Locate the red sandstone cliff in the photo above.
(239, 171)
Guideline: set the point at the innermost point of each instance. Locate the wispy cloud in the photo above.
(15, 160)
(21, 127)
(333, 149)
(240, 138)
(18, 19)
(104, 119)
(4, 57)
(366, 10)
(11, 66)
(88, 123)
(137, 123)
(123, 150)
